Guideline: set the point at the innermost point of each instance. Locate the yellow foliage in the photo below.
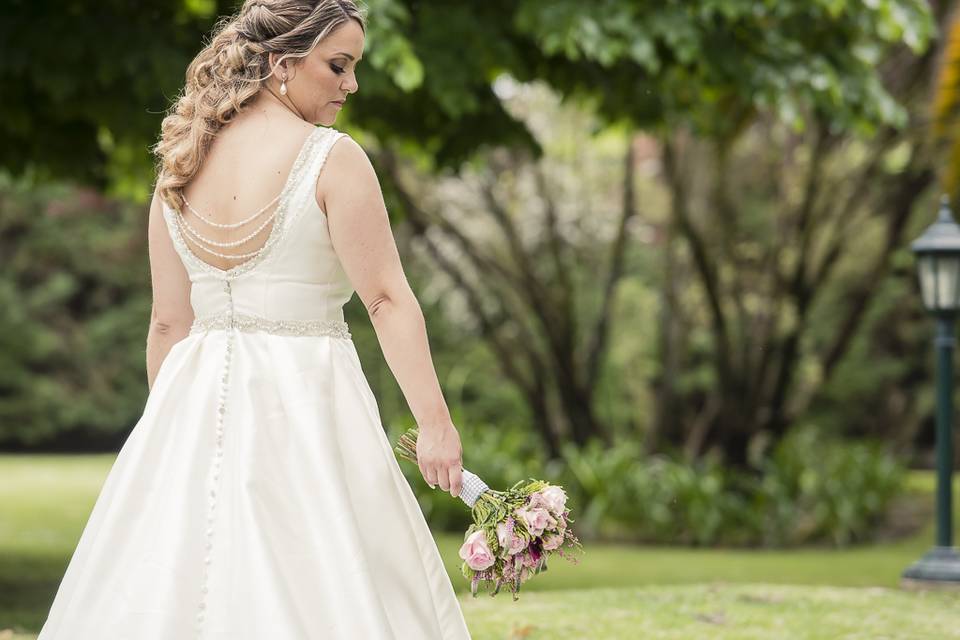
(946, 109)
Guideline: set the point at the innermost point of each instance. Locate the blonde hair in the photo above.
(229, 72)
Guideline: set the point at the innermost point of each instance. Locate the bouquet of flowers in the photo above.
(513, 531)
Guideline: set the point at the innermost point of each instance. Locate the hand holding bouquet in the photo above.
(513, 531)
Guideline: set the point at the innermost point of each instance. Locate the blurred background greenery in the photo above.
(662, 247)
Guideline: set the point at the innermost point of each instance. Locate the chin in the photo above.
(326, 117)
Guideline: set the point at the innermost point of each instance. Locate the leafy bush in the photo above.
(819, 488)
(626, 497)
(811, 489)
(74, 310)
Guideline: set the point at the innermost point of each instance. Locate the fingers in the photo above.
(439, 456)
(455, 477)
(429, 475)
(443, 478)
(448, 477)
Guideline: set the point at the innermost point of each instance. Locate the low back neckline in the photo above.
(293, 178)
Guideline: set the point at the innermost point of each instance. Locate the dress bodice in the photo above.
(295, 283)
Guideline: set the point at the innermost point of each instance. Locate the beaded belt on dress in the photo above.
(243, 322)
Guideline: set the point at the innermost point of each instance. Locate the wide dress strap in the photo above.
(306, 190)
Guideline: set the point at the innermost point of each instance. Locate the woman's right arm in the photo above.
(171, 313)
(349, 193)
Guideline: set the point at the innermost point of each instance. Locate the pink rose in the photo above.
(509, 541)
(537, 499)
(561, 524)
(476, 551)
(553, 498)
(536, 518)
(551, 541)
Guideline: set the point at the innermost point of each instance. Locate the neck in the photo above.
(288, 102)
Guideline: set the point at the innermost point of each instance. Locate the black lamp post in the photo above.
(938, 257)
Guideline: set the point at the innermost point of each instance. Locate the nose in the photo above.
(350, 84)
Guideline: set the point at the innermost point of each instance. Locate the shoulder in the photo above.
(346, 170)
(156, 212)
(158, 207)
(346, 161)
(344, 149)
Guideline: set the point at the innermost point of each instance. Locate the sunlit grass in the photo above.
(615, 591)
(719, 611)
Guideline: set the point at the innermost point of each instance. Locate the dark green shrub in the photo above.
(74, 313)
(811, 489)
(819, 488)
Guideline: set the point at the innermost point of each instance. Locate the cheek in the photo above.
(322, 80)
(330, 81)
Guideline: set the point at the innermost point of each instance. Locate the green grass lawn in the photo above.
(718, 611)
(615, 592)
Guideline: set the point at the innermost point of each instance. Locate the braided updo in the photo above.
(229, 72)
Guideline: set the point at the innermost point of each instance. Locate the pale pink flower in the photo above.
(551, 541)
(536, 518)
(476, 551)
(509, 541)
(561, 524)
(553, 498)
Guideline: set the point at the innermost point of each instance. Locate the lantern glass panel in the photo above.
(948, 274)
(940, 281)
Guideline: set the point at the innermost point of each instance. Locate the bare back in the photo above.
(246, 169)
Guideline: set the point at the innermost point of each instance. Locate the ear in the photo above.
(272, 58)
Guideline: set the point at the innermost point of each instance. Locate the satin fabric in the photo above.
(316, 533)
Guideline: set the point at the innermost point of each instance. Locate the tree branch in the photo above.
(600, 332)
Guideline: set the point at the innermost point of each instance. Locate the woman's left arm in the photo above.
(171, 313)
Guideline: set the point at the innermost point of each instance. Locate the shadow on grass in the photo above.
(28, 583)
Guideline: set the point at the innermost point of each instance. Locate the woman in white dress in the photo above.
(258, 495)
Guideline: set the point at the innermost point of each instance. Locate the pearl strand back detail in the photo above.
(196, 235)
(316, 142)
(231, 225)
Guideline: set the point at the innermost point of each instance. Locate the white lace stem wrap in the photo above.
(471, 488)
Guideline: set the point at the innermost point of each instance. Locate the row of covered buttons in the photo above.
(215, 475)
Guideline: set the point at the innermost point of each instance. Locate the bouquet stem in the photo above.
(473, 487)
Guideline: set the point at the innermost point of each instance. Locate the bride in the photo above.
(258, 495)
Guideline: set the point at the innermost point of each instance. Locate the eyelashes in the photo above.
(336, 69)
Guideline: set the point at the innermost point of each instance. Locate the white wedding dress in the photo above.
(258, 496)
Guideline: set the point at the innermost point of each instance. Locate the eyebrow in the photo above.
(343, 53)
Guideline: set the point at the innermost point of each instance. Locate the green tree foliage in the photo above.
(74, 302)
(762, 246)
(89, 82)
(716, 63)
(86, 83)
(814, 225)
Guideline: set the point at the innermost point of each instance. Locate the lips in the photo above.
(339, 102)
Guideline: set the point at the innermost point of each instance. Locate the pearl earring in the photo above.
(283, 86)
